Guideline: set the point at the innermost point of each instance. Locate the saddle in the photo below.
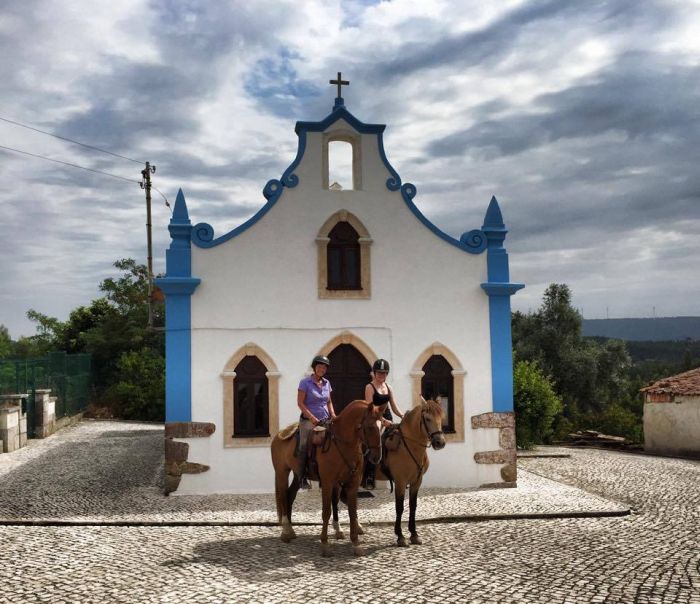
(289, 431)
(391, 439)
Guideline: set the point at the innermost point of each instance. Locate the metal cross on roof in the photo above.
(340, 83)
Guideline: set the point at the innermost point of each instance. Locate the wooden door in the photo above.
(348, 374)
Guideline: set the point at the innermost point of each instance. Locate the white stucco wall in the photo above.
(261, 287)
(673, 428)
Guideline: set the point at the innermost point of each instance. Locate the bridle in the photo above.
(430, 434)
(424, 426)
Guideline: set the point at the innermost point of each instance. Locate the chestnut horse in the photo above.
(420, 428)
(340, 461)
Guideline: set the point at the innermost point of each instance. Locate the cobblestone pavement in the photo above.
(650, 556)
(111, 472)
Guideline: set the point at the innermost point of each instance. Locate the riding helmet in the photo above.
(380, 365)
(320, 360)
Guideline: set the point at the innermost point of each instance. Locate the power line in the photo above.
(70, 140)
(65, 163)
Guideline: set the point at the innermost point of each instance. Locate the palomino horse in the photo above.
(420, 428)
(339, 466)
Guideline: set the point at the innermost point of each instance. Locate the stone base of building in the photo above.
(506, 456)
(176, 452)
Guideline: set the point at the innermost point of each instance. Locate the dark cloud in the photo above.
(641, 96)
(518, 31)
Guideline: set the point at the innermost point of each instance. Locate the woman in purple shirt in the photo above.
(314, 401)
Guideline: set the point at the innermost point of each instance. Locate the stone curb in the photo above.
(437, 520)
(544, 456)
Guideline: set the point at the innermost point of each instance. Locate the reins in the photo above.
(334, 439)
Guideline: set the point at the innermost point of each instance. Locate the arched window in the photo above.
(438, 381)
(343, 260)
(250, 399)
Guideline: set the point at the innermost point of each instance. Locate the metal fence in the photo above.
(69, 376)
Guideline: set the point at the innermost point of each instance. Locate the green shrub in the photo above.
(536, 405)
(140, 391)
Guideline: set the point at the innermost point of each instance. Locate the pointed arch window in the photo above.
(250, 399)
(344, 258)
(438, 381)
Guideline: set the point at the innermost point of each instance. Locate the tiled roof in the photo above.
(682, 383)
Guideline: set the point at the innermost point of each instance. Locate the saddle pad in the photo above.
(288, 432)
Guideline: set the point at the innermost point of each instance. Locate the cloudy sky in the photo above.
(583, 118)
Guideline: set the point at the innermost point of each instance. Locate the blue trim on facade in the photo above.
(339, 113)
(178, 286)
(499, 290)
(472, 242)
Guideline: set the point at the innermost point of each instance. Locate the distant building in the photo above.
(672, 415)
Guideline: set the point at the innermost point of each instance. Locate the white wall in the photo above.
(673, 428)
(261, 287)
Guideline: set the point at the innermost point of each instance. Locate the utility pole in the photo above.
(146, 185)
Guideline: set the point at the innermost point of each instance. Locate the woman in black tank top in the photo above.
(379, 393)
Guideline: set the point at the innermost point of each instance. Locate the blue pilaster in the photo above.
(499, 290)
(178, 286)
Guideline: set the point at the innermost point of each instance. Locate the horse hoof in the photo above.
(416, 540)
(326, 551)
(338, 533)
(360, 530)
(357, 550)
(288, 534)
(401, 542)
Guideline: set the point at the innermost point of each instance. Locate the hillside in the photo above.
(662, 328)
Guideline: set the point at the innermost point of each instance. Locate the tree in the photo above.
(588, 375)
(113, 330)
(5, 343)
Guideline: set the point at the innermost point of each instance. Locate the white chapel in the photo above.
(355, 273)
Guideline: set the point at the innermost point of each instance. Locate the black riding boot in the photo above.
(368, 478)
(303, 481)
